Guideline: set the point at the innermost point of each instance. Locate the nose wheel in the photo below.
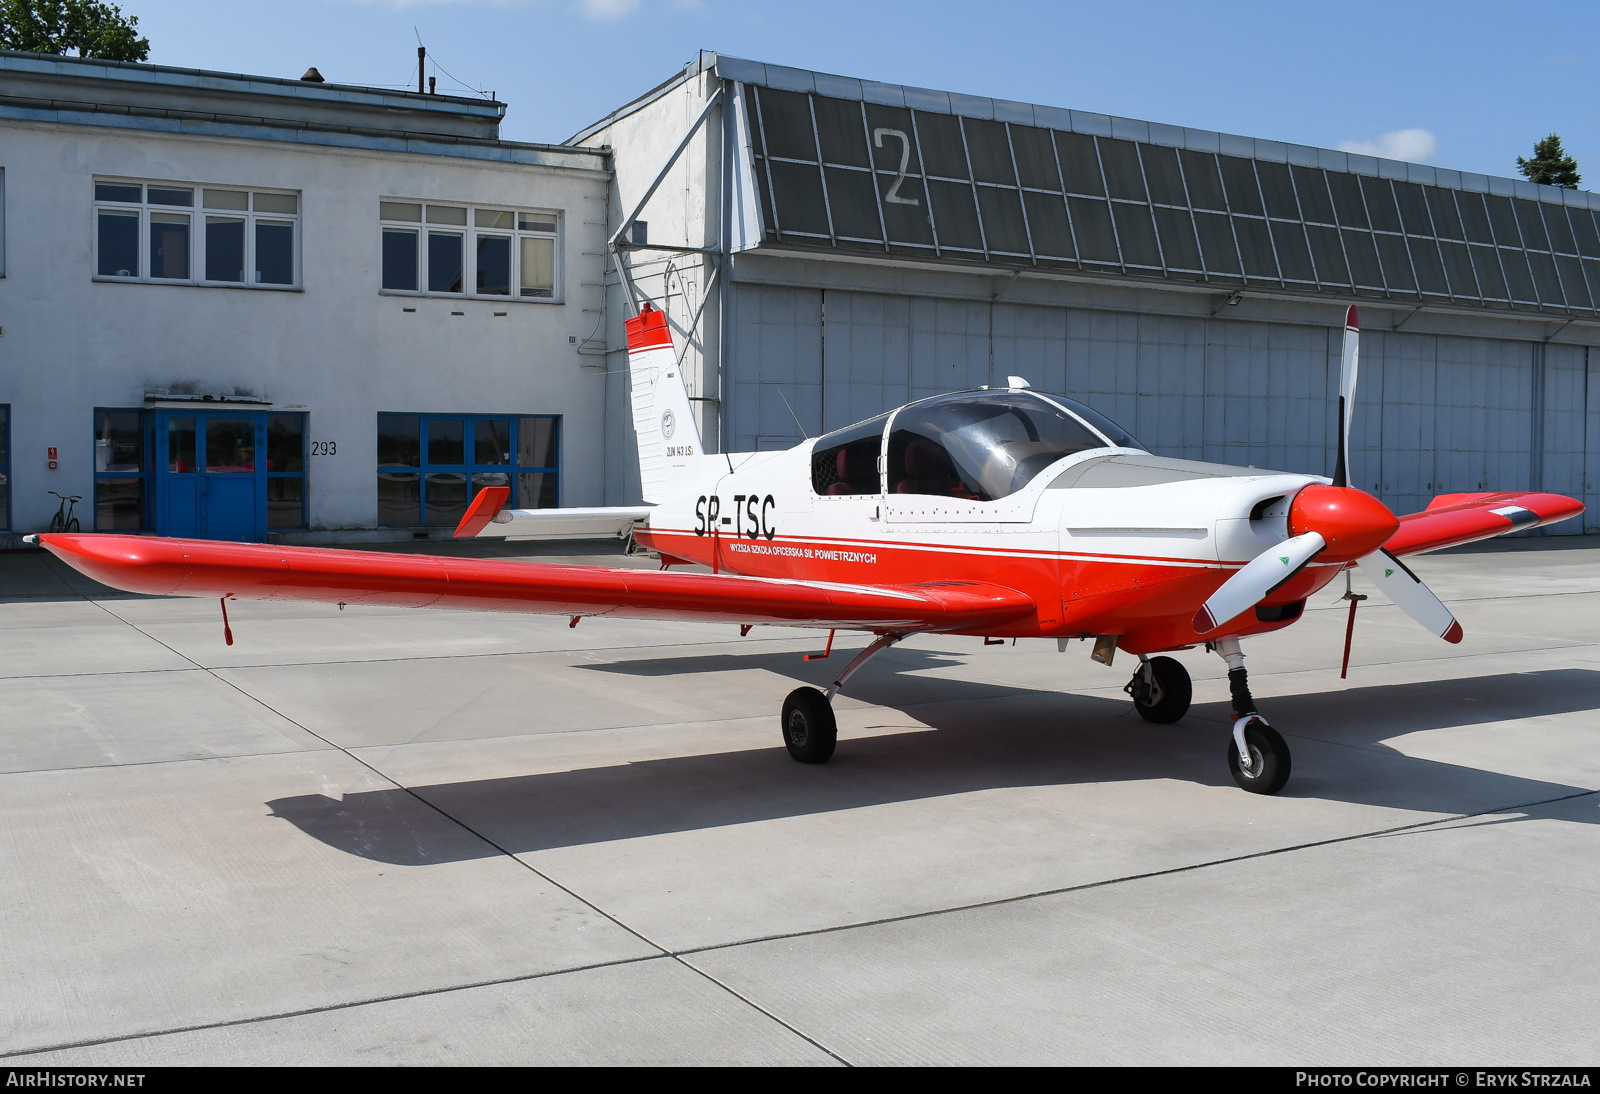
(1264, 767)
(1258, 757)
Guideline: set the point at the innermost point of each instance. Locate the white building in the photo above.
(234, 305)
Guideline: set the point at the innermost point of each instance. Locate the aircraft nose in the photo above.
(1351, 521)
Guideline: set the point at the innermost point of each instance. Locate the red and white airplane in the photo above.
(999, 513)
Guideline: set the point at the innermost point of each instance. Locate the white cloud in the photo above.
(1415, 145)
(608, 11)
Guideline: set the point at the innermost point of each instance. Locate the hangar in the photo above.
(251, 307)
(832, 247)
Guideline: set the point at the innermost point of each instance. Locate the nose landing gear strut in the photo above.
(1257, 755)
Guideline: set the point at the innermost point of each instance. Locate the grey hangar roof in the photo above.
(855, 167)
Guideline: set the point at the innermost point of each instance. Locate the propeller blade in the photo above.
(1409, 594)
(1256, 580)
(1347, 394)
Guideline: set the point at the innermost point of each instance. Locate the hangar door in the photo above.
(1435, 414)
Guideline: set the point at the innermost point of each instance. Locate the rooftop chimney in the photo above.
(312, 76)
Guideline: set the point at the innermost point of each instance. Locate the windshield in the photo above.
(982, 445)
(1119, 437)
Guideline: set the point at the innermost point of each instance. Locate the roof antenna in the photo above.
(792, 414)
(422, 58)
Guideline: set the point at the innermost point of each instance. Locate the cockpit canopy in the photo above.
(979, 445)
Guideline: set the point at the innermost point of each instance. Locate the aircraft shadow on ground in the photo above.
(979, 736)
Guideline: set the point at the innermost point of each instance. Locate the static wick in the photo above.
(574, 621)
(227, 631)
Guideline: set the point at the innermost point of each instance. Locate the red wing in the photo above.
(253, 571)
(1453, 519)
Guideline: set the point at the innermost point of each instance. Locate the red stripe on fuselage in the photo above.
(1150, 600)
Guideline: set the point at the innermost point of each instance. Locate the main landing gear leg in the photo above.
(1257, 755)
(809, 730)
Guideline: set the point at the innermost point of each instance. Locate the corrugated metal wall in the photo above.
(1435, 414)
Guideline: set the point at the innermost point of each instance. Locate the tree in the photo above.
(1551, 164)
(92, 27)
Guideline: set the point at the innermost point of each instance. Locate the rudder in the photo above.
(663, 422)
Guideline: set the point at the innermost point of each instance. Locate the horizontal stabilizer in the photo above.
(604, 522)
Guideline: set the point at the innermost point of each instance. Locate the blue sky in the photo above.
(1464, 85)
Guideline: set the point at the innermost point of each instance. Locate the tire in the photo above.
(809, 730)
(1173, 691)
(72, 525)
(1270, 759)
(55, 523)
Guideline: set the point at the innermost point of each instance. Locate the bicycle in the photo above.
(64, 521)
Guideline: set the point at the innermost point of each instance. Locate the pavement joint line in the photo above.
(169, 760)
(196, 666)
(420, 993)
(1469, 599)
(563, 651)
(662, 951)
(758, 1007)
(82, 675)
(1145, 876)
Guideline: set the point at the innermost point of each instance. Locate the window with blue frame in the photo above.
(430, 466)
(5, 467)
(122, 443)
(286, 471)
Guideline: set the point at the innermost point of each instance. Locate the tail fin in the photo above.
(663, 422)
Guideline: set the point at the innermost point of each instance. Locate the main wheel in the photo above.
(1169, 698)
(809, 731)
(1269, 760)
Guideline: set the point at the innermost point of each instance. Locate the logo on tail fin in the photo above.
(668, 424)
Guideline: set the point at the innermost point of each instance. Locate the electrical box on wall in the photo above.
(50, 457)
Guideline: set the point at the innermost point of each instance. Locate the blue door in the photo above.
(210, 479)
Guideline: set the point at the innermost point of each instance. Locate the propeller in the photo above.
(1335, 523)
(1349, 363)
(1409, 594)
(1256, 581)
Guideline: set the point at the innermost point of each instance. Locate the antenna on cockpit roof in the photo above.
(1017, 383)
